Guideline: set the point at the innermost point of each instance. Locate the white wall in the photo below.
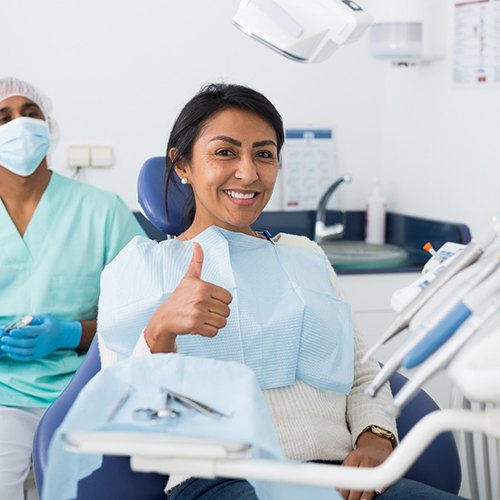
(441, 147)
(119, 72)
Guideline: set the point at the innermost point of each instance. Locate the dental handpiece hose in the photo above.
(443, 356)
(469, 255)
(421, 331)
(453, 320)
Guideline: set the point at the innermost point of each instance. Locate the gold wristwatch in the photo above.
(381, 432)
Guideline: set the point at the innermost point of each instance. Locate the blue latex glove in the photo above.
(42, 336)
(2, 333)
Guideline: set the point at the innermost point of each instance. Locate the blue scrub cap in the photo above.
(10, 87)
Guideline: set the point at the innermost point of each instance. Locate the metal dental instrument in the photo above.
(396, 360)
(197, 405)
(19, 323)
(167, 411)
(442, 357)
(465, 258)
(152, 415)
(120, 403)
(160, 414)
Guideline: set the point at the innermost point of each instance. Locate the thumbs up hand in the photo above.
(194, 307)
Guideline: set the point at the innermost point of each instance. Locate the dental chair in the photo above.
(438, 466)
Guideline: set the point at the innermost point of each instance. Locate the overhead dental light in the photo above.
(302, 30)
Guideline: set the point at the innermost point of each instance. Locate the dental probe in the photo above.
(440, 312)
(447, 327)
(442, 357)
(465, 258)
(19, 323)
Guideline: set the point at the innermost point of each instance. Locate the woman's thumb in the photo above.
(194, 269)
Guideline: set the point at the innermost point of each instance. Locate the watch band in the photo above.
(381, 432)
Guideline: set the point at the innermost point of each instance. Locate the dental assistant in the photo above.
(56, 236)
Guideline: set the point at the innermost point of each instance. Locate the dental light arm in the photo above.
(468, 256)
(304, 31)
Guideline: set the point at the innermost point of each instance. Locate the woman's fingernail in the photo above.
(379, 491)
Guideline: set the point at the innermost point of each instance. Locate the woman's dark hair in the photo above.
(212, 99)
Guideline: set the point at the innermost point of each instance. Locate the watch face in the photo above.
(383, 433)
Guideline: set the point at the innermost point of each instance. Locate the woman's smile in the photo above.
(241, 197)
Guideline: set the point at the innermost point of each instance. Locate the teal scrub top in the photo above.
(55, 269)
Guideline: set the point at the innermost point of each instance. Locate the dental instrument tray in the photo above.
(140, 443)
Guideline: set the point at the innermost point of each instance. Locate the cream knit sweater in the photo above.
(312, 424)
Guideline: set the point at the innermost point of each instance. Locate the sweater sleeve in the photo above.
(361, 409)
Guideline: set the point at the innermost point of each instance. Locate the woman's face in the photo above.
(232, 171)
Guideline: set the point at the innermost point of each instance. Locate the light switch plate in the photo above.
(101, 156)
(78, 156)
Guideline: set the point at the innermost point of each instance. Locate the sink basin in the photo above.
(358, 254)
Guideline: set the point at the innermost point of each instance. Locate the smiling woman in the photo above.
(222, 291)
(227, 128)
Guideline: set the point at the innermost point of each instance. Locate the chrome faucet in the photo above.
(321, 230)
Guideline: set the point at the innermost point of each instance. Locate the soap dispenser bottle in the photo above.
(375, 216)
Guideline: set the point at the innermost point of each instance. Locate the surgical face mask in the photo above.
(24, 143)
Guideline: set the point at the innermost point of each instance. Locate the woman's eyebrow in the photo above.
(268, 142)
(226, 138)
(257, 144)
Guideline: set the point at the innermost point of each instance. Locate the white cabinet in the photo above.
(370, 299)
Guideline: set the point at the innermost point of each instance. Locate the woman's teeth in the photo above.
(240, 196)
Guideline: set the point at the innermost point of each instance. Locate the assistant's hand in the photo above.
(2, 333)
(194, 307)
(370, 451)
(42, 336)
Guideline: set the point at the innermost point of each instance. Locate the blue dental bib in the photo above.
(285, 321)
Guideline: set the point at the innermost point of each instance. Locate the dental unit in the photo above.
(453, 320)
(437, 320)
(468, 256)
(440, 359)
